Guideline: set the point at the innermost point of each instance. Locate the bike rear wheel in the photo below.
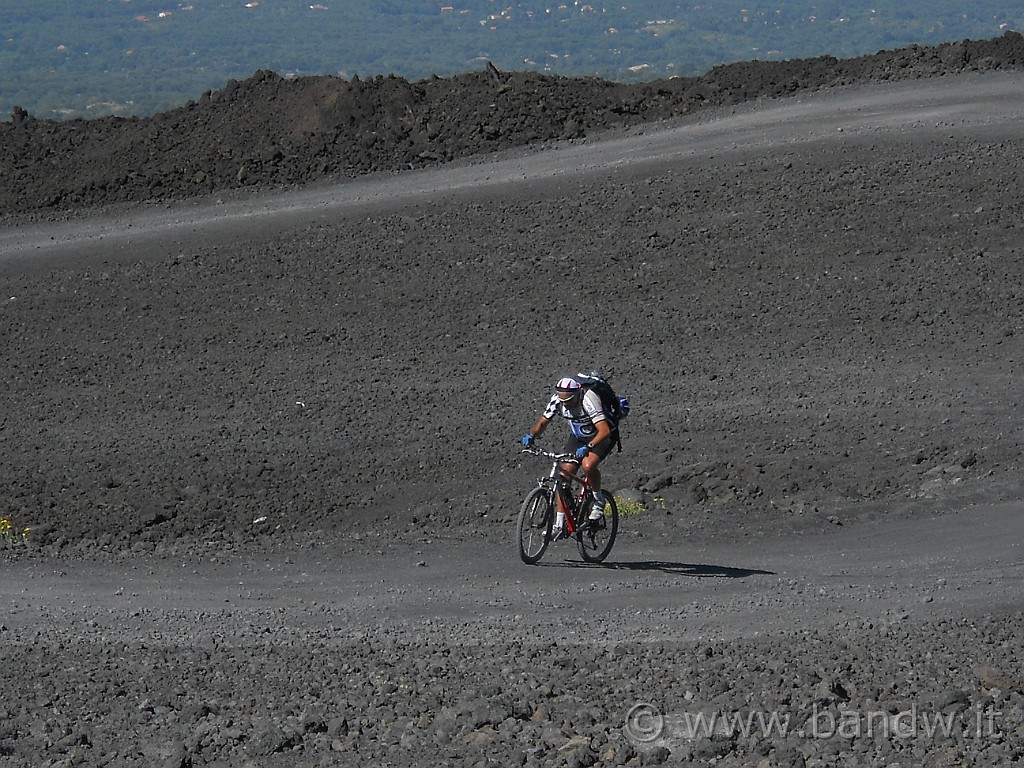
(595, 539)
(533, 529)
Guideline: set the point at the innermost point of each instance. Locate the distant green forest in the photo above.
(88, 58)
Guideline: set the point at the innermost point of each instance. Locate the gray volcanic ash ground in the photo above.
(265, 442)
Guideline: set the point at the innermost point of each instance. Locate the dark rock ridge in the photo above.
(268, 131)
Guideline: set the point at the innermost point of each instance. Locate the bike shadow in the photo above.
(693, 570)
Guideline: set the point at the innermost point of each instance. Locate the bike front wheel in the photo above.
(533, 529)
(596, 537)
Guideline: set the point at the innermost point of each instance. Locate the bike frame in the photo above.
(559, 479)
(534, 526)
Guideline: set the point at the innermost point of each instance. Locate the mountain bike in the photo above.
(594, 538)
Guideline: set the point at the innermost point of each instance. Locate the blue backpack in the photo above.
(616, 408)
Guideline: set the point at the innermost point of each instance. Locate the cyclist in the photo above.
(591, 437)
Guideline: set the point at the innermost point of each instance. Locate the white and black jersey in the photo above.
(582, 417)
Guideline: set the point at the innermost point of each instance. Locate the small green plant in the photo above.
(630, 507)
(9, 533)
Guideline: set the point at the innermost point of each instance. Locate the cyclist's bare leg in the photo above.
(570, 469)
(590, 470)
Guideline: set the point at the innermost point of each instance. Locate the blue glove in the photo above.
(527, 440)
(582, 451)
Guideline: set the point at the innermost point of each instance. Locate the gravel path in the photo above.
(864, 645)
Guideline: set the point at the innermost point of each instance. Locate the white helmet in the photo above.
(567, 388)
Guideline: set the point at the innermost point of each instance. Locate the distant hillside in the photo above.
(271, 132)
(137, 57)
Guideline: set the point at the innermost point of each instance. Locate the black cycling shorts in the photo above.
(602, 449)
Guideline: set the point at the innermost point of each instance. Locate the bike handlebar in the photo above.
(534, 450)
